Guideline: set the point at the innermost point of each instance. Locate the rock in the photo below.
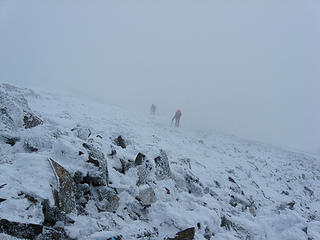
(81, 210)
(217, 184)
(308, 190)
(139, 159)
(125, 166)
(291, 205)
(81, 192)
(187, 234)
(231, 180)
(29, 148)
(235, 188)
(94, 152)
(226, 223)
(81, 132)
(162, 167)
(53, 214)
(2, 200)
(53, 234)
(193, 185)
(208, 233)
(9, 140)
(5, 118)
(66, 186)
(96, 157)
(234, 201)
(94, 161)
(30, 120)
(120, 142)
(78, 177)
(97, 179)
(113, 153)
(144, 173)
(135, 211)
(20, 230)
(108, 200)
(119, 237)
(33, 198)
(146, 197)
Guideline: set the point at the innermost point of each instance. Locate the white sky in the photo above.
(250, 68)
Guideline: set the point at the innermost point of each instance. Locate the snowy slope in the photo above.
(225, 187)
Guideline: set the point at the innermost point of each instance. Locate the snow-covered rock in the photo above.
(129, 176)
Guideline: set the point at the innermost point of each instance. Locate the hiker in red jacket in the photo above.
(177, 117)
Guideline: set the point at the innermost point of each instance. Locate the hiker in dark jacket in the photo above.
(153, 109)
(177, 117)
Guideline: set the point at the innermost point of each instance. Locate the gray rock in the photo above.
(119, 237)
(139, 159)
(29, 148)
(308, 190)
(30, 120)
(96, 179)
(187, 234)
(93, 151)
(108, 200)
(6, 119)
(78, 177)
(147, 196)
(120, 142)
(52, 214)
(162, 167)
(193, 185)
(81, 132)
(20, 230)
(144, 173)
(226, 223)
(9, 139)
(97, 157)
(53, 234)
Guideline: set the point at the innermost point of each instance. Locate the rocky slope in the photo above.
(81, 170)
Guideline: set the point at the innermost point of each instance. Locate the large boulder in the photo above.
(65, 200)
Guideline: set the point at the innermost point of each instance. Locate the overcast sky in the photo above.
(246, 67)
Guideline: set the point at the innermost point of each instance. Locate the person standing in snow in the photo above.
(153, 109)
(177, 117)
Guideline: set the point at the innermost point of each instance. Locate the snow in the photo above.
(269, 176)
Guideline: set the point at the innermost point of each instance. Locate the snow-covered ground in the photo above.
(223, 186)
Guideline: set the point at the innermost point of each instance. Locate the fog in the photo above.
(249, 68)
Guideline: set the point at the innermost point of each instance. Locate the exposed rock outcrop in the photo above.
(66, 186)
